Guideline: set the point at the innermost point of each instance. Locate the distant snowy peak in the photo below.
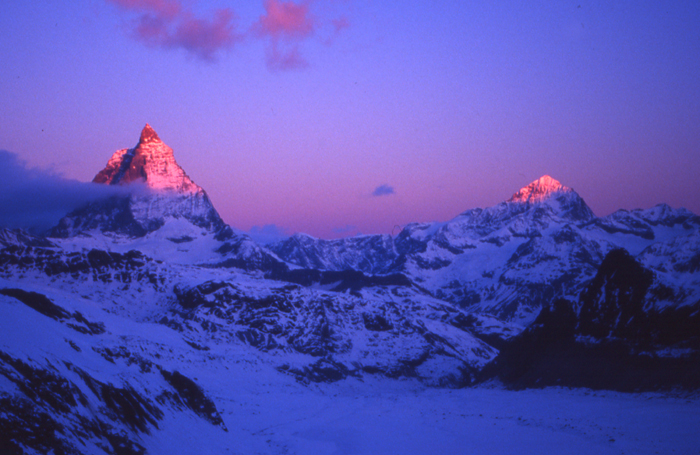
(539, 190)
(151, 162)
(665, 215)
(546, 191)
(367, 253)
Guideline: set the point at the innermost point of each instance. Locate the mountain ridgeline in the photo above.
(132, 298)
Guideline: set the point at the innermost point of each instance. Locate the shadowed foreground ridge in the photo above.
(615, 341)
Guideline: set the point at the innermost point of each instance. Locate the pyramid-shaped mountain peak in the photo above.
(539, 190)
(148, 134)
(150, 162)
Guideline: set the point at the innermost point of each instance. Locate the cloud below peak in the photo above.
(37, 199)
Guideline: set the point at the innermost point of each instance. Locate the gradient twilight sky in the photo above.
(334, 117)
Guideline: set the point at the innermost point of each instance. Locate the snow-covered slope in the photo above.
(113, 346)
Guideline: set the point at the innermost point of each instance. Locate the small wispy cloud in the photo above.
(383, 190)
(288, 59)
(340, 24)
(285, 25)
(168, 24)
(285, 20)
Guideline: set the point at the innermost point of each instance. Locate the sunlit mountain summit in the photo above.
(539, 190)
(565, 202)
(157, 192)
(505, 260)
(160, 208)
(150, 162)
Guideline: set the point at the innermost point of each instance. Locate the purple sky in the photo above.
(342, 116)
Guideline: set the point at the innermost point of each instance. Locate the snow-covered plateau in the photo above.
(142, 323)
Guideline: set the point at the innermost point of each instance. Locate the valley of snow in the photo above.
(266, 412)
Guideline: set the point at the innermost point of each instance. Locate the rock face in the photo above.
(150, 162)
(165, 193)
(628, 331)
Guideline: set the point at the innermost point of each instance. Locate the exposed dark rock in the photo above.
(124, 404)
(618, 340)
(189, 394)
(38, 302)
(42, 386)
(346, 280)
(323, 370)
(376, 322)
(23, 426)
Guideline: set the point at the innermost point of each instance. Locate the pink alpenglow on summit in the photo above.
(151, 162)
(539, 190)
(173, 196)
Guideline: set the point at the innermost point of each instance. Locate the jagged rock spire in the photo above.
(148, 134)
(151, 162)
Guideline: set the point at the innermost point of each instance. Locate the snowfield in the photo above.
(386, 417)
(267, 412)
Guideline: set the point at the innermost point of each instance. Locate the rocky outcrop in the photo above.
(626, 332)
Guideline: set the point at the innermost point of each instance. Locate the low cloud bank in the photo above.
(268, 234)
(36, 199)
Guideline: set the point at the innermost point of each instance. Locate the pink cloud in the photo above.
(164, 8)
(165, 23)
(285, 24)
(285, 19)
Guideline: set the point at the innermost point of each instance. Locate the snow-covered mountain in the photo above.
(506, 260)
(167, 193)
(141, 318)
(162, 213)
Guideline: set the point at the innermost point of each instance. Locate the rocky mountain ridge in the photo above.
(506, 260)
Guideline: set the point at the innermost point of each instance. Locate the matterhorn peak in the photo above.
(150, 162)
(539, 190)
(148, 134)
(138, 213)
